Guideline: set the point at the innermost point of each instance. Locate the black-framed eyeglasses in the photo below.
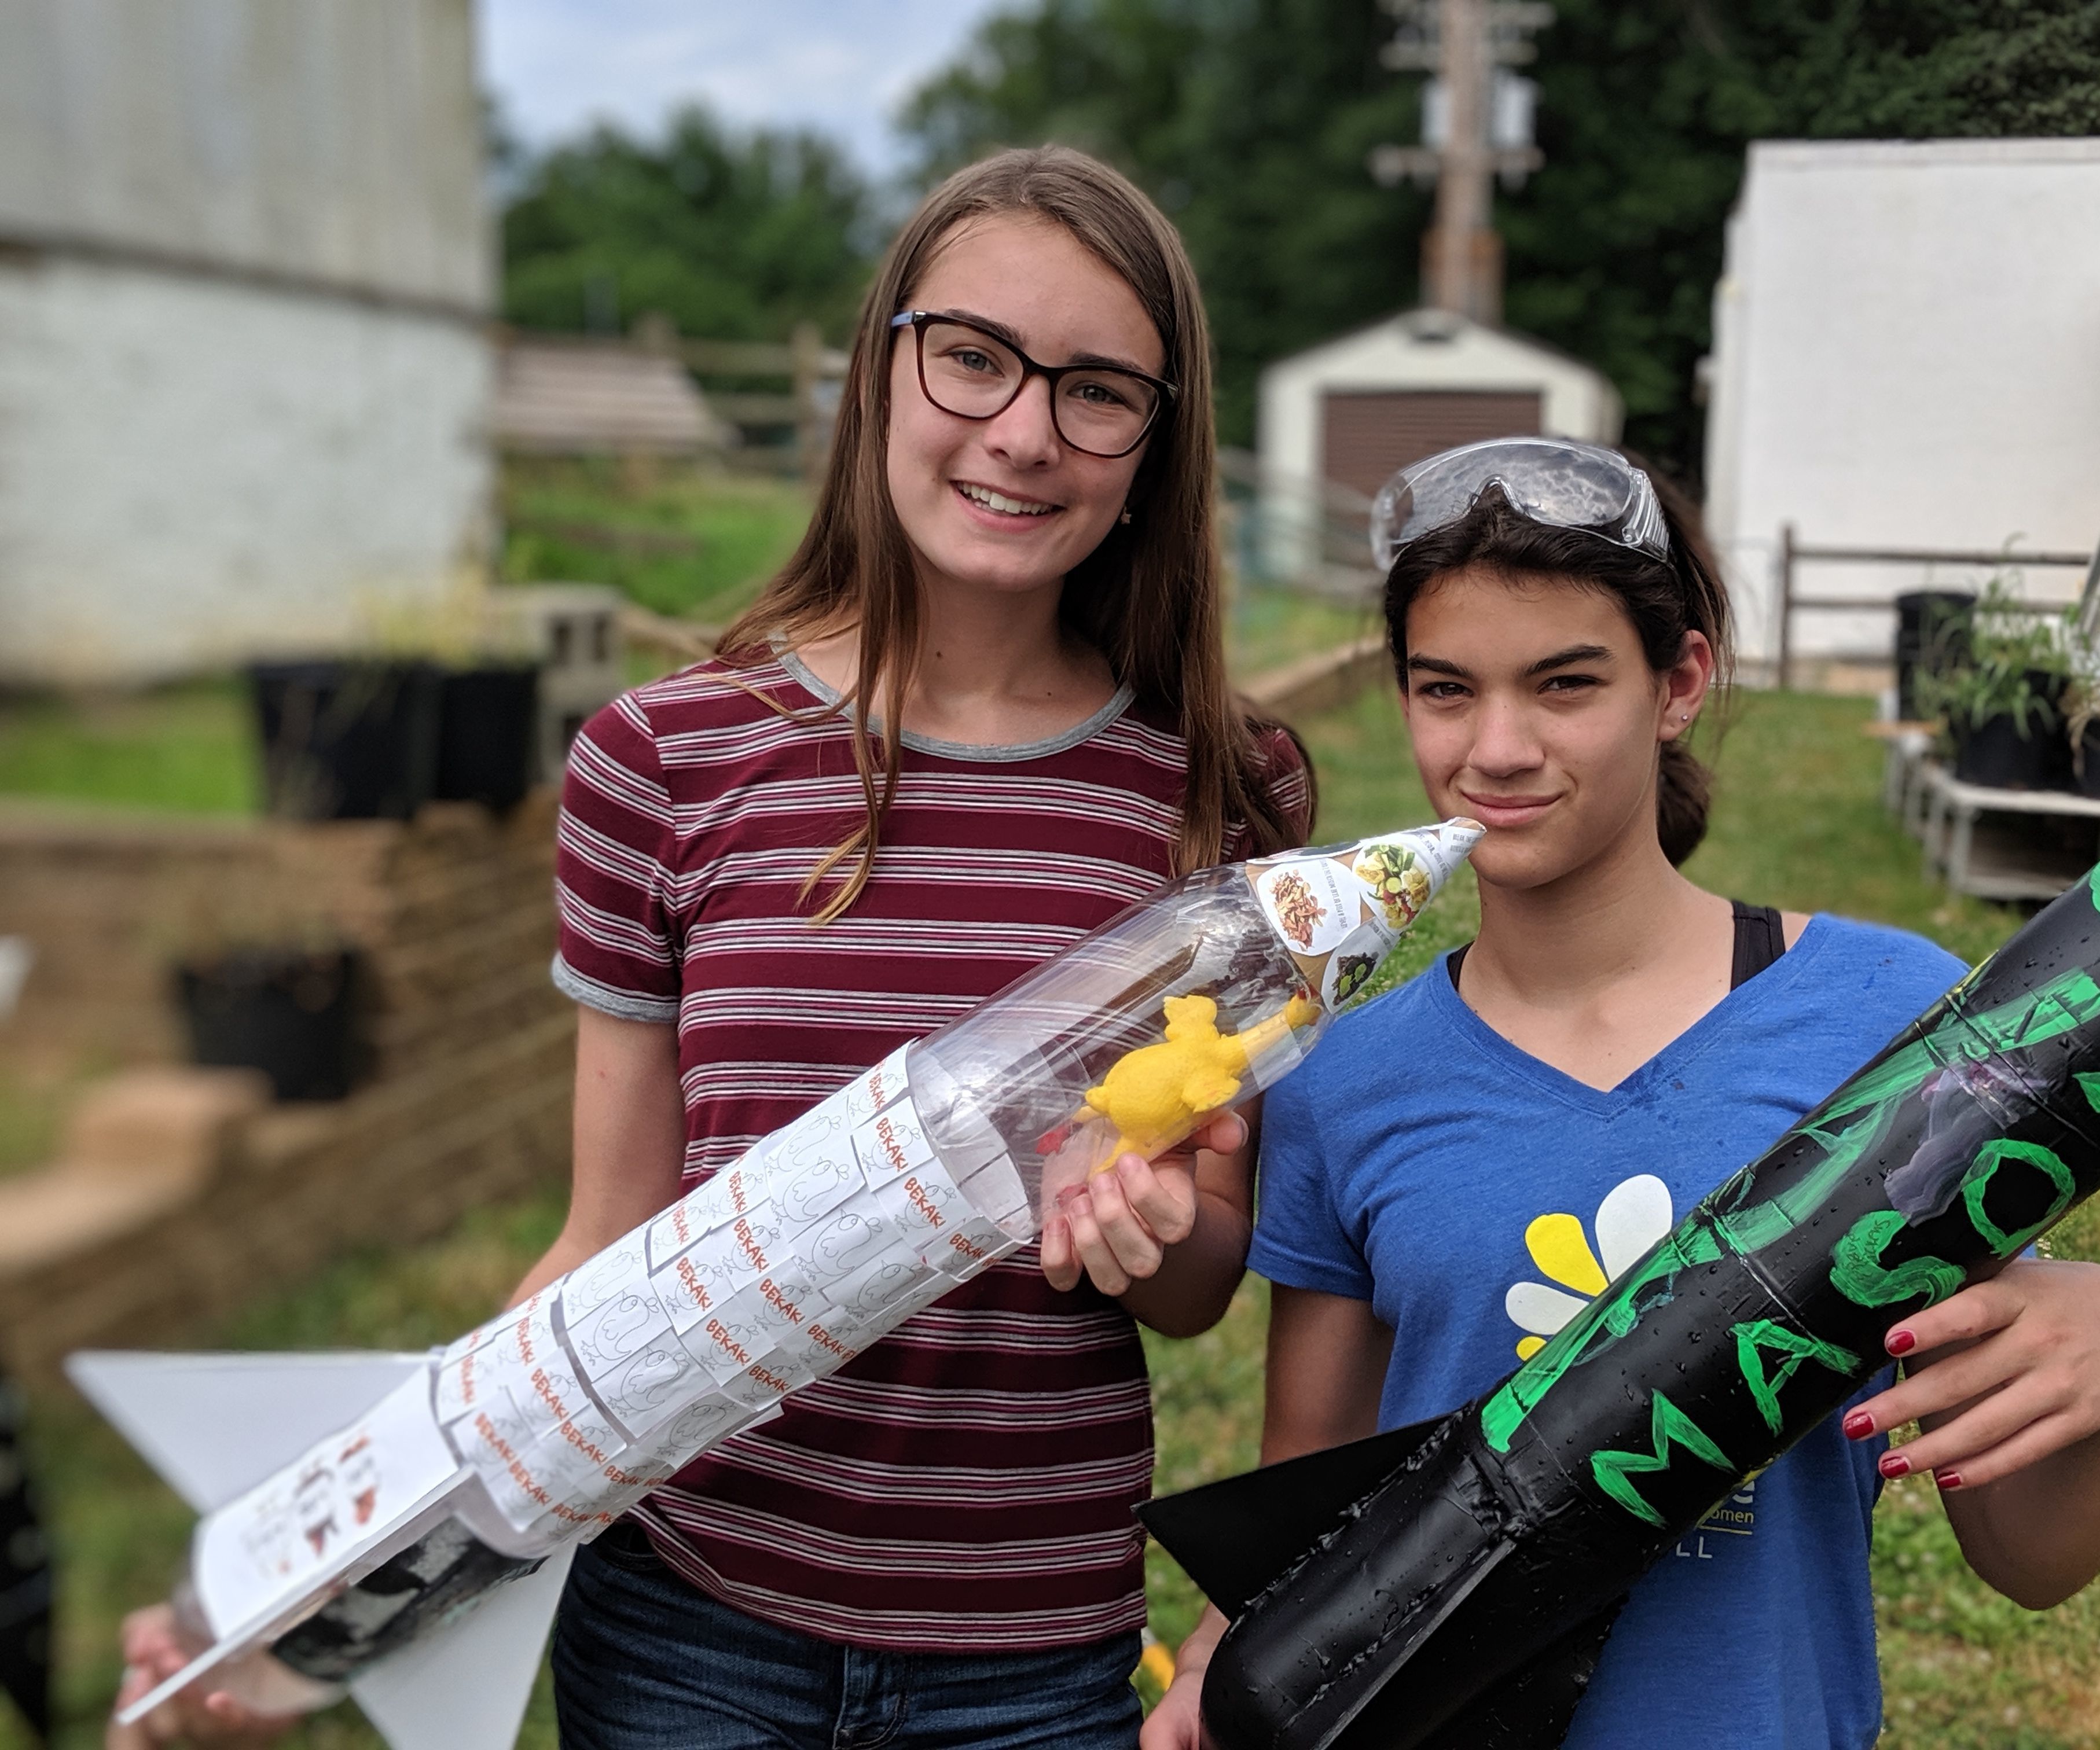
(967, 370)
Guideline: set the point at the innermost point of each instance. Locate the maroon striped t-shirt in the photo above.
(966, 1485)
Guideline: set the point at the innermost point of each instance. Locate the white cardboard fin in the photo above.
(467, 1687)
(214, 1426)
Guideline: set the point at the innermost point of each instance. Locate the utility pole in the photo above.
(1476, 125)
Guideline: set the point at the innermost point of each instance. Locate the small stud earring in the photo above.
(1125, 517)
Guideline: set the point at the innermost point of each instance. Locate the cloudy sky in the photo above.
(843, 65)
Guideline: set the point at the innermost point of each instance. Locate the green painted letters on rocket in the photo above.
(1615, 1471)
(1597, 1326)
(1976, 1183)
(1858, 1273)
(1848, 1130)
(1752, 1341)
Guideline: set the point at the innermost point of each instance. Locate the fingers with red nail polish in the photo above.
(1948, 1479)
(1893, 1465)
(1858, 1425)
(1901, 1342)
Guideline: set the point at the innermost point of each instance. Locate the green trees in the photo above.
(733, 237)
(1249, 120)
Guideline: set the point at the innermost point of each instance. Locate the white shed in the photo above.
(1906, 356)
(1336, 420)
(246, 273)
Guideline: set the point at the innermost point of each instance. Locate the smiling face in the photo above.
(1533, 708)
(1004, 504)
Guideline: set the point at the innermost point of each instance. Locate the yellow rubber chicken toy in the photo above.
(1155, 1095)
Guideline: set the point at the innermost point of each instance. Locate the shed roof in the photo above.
(577, 395)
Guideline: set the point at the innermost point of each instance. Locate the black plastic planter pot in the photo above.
(346, 740)
(2086, 771)
(1996, 754)
(1932, 636)
(289, 1014)
(487, 735)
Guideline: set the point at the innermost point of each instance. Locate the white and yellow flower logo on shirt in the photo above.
(1634, 1214)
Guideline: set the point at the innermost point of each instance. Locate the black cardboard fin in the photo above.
(1234, 1537)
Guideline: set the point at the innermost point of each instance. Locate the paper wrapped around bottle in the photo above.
(545, 1424)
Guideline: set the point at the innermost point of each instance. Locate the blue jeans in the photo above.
(643, 1661)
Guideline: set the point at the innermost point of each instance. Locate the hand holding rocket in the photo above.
(1452, 1585)
(539, 1428)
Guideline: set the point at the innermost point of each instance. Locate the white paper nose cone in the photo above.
(1460, 834)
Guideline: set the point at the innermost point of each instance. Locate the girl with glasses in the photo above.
(1466, 1160)
(982, 709)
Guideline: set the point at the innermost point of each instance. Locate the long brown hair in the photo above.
(1148, 598)
(1663, 598)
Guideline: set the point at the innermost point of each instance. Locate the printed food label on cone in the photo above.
(1341, 906)
(1312, 900)
(1350, 967)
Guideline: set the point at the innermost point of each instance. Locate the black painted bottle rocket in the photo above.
(346, 1551)
(1451, 1585)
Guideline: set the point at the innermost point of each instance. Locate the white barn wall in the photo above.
(193, 472)
(1907, 354)
(246, 268)
(337, 140)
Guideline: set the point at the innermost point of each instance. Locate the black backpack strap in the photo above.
(1760, 940)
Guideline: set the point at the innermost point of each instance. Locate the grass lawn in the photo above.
(186, 749)
(695, 544)
(1962, 1667)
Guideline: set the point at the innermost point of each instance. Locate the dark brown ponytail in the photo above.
(1664, 599)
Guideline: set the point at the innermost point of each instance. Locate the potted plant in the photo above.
(488, 728)
(346, 737)
(292, 1010)
(1932, 636)
(2003, 701)
(443, 706)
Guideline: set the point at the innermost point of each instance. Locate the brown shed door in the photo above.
(1368, 436)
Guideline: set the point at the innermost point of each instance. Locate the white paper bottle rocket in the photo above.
(401, 1524)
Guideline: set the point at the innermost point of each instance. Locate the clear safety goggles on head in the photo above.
(1548, 480)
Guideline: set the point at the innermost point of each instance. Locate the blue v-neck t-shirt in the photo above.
(1407, 1163)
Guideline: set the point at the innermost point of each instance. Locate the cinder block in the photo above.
(178, 1124)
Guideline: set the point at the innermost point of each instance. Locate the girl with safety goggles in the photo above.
(1468, 1159)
